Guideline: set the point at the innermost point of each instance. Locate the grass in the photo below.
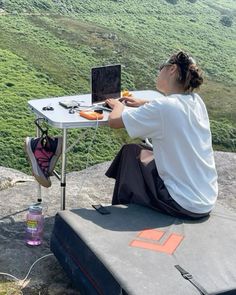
(47, 49)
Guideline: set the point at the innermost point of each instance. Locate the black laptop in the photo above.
(106, 83)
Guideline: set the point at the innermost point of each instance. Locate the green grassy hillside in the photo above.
(48, 47)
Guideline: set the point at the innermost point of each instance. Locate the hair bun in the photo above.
(189, 75)
(195, 77)
(182, 58)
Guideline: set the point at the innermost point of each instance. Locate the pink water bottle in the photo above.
(34, 225)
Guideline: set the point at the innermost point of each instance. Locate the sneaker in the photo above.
(43, 157)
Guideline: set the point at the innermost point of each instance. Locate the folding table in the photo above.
(60, 118)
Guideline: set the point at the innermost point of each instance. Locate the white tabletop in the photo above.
(61, 118)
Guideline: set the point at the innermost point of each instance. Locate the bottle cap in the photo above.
(35, 208)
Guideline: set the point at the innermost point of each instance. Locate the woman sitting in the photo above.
(179, 176)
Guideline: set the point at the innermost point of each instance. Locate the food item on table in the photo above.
(126, 93)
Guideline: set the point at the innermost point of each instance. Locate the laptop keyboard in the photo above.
(106, 105)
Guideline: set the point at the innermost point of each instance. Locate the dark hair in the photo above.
(190, 76)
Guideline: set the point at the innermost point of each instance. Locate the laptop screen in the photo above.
(106, 82)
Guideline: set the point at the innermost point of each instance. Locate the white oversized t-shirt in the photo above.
(179, 128)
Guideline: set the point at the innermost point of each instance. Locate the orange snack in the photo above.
(126, 93)
(91, 115)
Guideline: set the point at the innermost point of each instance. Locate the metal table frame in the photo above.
(60, 118)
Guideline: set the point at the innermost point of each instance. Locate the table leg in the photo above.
(63, 170)
(38, 134)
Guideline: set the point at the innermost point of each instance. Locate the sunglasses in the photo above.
(166, 64)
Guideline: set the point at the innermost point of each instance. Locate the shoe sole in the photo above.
(56, 156)
(37, 172)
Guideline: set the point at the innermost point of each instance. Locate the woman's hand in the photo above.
(132, 102)
(113, 102)
(115, 117)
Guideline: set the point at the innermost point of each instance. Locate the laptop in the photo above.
(105, 83)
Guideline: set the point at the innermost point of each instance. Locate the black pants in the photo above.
(141, 184)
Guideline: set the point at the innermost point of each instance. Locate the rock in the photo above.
(13, 176)
(84, 188)
(5, 182)
(226, 169)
